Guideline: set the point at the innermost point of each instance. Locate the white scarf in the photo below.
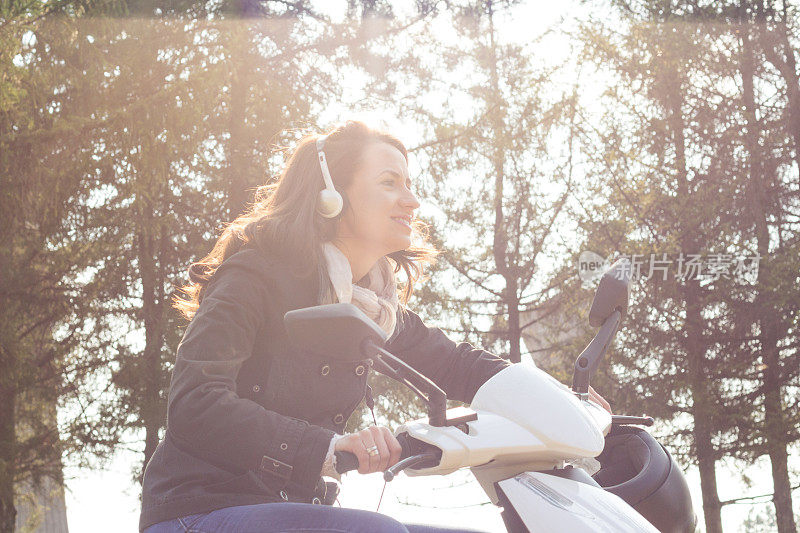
(379, 301)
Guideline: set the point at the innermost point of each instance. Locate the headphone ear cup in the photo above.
(329, 203)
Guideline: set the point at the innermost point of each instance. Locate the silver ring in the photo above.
(373, 451)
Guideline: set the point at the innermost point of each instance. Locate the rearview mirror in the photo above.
(612, 293)
(339, 331)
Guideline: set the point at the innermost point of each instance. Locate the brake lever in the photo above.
(409, 462)
(618, 420)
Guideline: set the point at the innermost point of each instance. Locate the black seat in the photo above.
(635, 467)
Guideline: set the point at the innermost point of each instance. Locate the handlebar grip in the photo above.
(405, 443)
(347, 461)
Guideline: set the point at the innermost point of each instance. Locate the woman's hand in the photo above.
(358, 443)
(599, 400)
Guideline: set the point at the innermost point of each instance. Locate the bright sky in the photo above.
(101, 501)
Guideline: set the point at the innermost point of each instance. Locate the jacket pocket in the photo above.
(247, 483)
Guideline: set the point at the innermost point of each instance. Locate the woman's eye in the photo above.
(388, 182)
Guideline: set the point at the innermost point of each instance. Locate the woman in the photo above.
(252, 424)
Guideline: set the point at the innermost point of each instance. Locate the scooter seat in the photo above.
(635, 467)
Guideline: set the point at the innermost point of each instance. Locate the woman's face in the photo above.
(381, 202)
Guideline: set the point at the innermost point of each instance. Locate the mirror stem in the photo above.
(427, 390)
(587, 362)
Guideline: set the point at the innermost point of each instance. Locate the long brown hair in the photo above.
(283, 220)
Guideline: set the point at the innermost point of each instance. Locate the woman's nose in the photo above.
(410, 200)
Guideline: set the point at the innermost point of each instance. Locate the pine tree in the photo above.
(690, 155)
(47, 353)
(498, 175)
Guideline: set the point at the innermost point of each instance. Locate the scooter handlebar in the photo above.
(347, 461)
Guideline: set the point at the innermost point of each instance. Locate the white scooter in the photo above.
(522, 430)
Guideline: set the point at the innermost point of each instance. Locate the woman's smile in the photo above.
(404, 221)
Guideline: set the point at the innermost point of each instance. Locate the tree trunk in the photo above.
(514, 331)
(238, 169)
(237, 177)
(774, 430)
(775, 426)
(152, 308)
(702, 400)
(500, 241)
(8, 437)
(787, 66)
(42, 508)
(702, 411)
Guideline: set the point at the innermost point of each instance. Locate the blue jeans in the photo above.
(291, 517)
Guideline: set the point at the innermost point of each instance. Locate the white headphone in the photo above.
(329, 202)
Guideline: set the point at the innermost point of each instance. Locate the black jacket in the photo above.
(249, 418)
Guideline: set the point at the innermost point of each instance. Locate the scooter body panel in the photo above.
(490, 438)
(549, 503)
(530, 397)
(525, 418)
